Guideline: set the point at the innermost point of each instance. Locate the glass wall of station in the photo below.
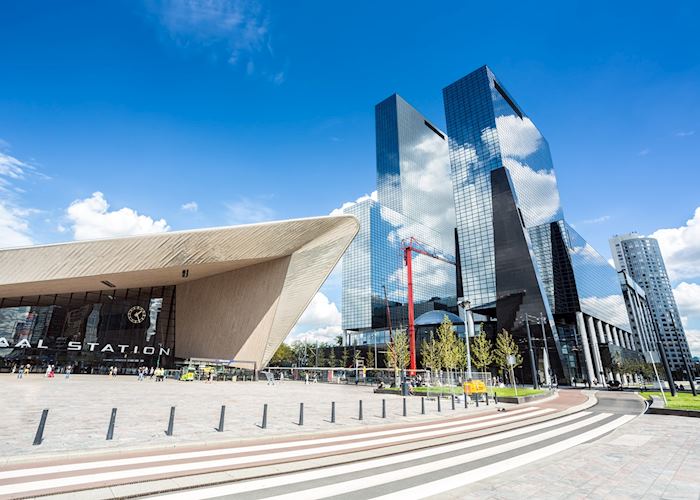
(90, 331)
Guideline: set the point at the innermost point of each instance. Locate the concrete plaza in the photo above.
(653, 456)
(80, 408)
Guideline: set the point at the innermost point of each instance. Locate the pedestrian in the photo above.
(69, 369)
(27, 369)
(306, 378)
(211, 376)
(14, 368)
(20, 372)
(48, 370)
(152, 372)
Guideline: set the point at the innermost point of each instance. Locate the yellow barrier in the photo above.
(474, 387)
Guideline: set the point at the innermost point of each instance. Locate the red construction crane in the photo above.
(409, 246)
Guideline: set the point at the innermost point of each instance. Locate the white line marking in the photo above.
(300, 477)
(60, 482)
(53, 469)
(387, 477)
(459, 480)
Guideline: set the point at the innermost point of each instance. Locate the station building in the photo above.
(230, 294)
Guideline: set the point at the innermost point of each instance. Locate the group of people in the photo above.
(158, 373)
(21, 370)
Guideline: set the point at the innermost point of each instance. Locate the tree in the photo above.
(331, 358)
(345, 357)
(356, 357)
(460, 350)
(446, 344)
(284, 356)
(339, 340)
(370, 359)
(430, 354)
(397, 353)
(505, 347)
(482, 351)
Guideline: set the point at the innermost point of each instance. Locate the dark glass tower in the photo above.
(519, 258)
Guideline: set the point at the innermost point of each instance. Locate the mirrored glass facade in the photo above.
(374, 274)
(414, 189)
(516, 256)
(90, 331)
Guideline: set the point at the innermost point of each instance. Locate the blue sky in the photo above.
(196, 113)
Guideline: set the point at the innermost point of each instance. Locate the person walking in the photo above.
(69, 369)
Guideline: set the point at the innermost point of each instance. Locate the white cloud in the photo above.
(320, 321)
(425, 175)
(680, 247)
(14, 227)
(688, 299)
(190, 206)
(611, 307)
(247, 211)
(340, 210)
(644, 152)
(14, 218)
(597, 220)
(685, 133)
(519, 138)
(537, 192)
(91, 218)
(235, 31)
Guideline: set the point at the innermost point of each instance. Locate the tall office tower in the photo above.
(413, 168)
(641, 258)
(519, 258)
(414, 200)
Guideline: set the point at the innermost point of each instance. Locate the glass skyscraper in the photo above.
(485, 192)
(641, 258)
(519, 258)
(414, 200)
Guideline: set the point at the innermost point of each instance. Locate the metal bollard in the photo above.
(301, 413)
(422, 405)
(221, 419)
(171, 422)
(487, 398)
(438, 398)
(264, 420)
(466, 401)
(453, 401)
(383, 408)
(110, 429)
(404, 407)
(40, 430)
(476, 396)
(495, 397)
(332, 412)
(359, 416)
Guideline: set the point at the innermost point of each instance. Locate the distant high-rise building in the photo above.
(641, 258)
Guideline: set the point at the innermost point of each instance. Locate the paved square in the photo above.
(79, 411)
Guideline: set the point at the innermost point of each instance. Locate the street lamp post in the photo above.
(535, 382)
(667, 368)
(465, 309)
(547, 366)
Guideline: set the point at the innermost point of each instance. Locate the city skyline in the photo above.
(91, 134)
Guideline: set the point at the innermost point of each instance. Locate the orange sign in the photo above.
(474, 387)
